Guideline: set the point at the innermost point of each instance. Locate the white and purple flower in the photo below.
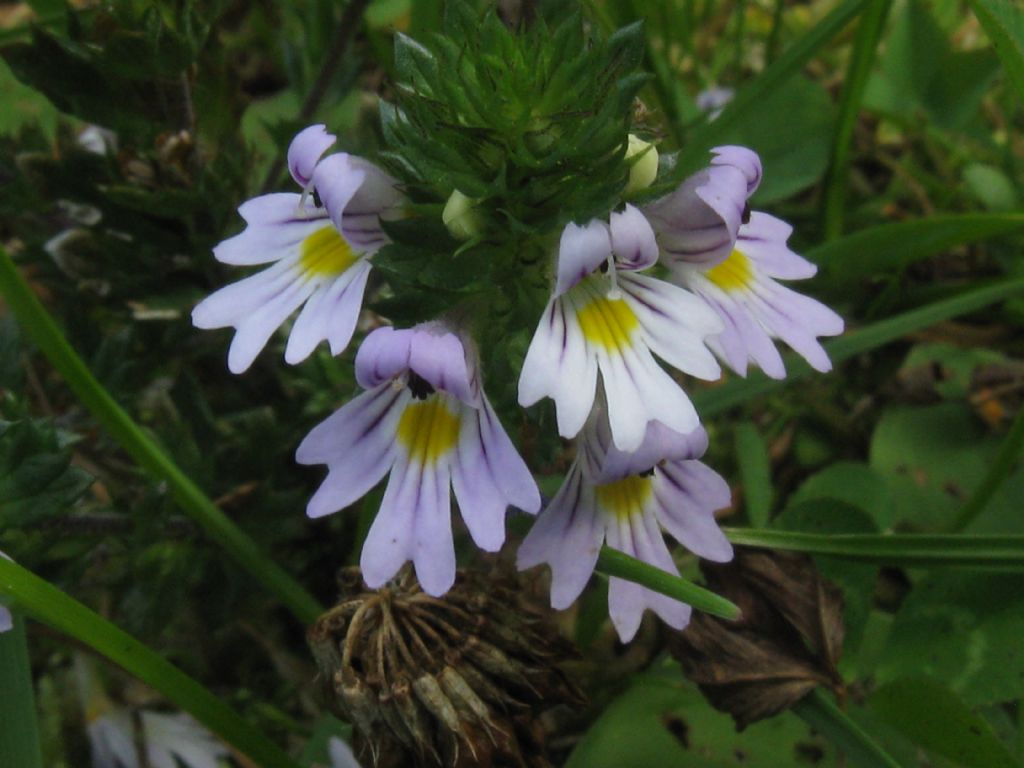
(615, 323)
(731, 257)
(425, 419)
(319, 243)
(626, 499)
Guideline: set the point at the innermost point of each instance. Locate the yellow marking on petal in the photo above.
(325, 254)
(428, 430)
(736, 273)
(624, 498)
(607, 322)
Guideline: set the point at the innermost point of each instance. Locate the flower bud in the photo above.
(461, 216)
(644, 168)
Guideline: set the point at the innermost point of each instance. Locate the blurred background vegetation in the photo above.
(895, 148)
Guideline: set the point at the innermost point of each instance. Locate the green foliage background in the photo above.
(891, 136)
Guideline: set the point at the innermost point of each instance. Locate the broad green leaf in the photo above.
(858, 745)
(963, 629)
(853, 483)
(664, 722)
(889, 248)
(933, 717)
(991, 187)
(948, 368)
(1003, 21)
(23, 106)
(790, 128)
(755, 472)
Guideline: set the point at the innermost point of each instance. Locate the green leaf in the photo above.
(853, 483)
(738, 391)
(755, 472)
(664, 722)
(611, 562)
(890, 248)
(963, 629)
(44, 602)
(1003, 22)
(19, 731)
(998, 471)
(933, 717)
(826, 718)
(36, 476)
(908, 550)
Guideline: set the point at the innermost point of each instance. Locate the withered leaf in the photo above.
(787, 642)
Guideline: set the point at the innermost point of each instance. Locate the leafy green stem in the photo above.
(43, 330)
(49, 605)
(910, 550)
(611, 562)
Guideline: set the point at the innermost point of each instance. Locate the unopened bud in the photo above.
(644, 168)
(461, 216)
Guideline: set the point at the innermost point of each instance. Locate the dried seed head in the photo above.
(461, 680)
(787, 642)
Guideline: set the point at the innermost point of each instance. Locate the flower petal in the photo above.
(567, 536)
(688, 493)
(337, 180)
(357, 442)
(434, 549)
(255, 330)
(277, 226)
(305, 150)
(331, 313)
(581, 250)
(633, 240)
(763, 241)
(558, 365)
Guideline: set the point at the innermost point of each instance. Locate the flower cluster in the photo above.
(684, 282)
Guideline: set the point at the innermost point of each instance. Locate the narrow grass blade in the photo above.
(611, 562)
(1003, 22)
(47, 604)
(1003, 552)
(19, 732)
(869, 30)
(42, 329)
(738, 391)
(998, 471)
(835, 725)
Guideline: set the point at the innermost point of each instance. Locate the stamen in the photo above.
(613, 292)
(421, 388)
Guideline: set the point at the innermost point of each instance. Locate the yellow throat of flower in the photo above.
(609, 323)
(325, 254)
(736, 273)
(624, 498)
(428, 430)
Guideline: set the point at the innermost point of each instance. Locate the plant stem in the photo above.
(869, 31)
(19, 732)
(836, 726)
(47, 604)
(43, 330)
(998, 471)
(1004, 552)
(611, 562)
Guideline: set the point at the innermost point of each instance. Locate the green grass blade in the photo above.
(1003, 22)
(1000, 469)
(42, 329)
(738, 391)
(695, 155)
(1003, 552)
(611, 562)
(866, 43)
(893, 247)
(47, 604)
(831, 722)
(755, 473)
(19, 732)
